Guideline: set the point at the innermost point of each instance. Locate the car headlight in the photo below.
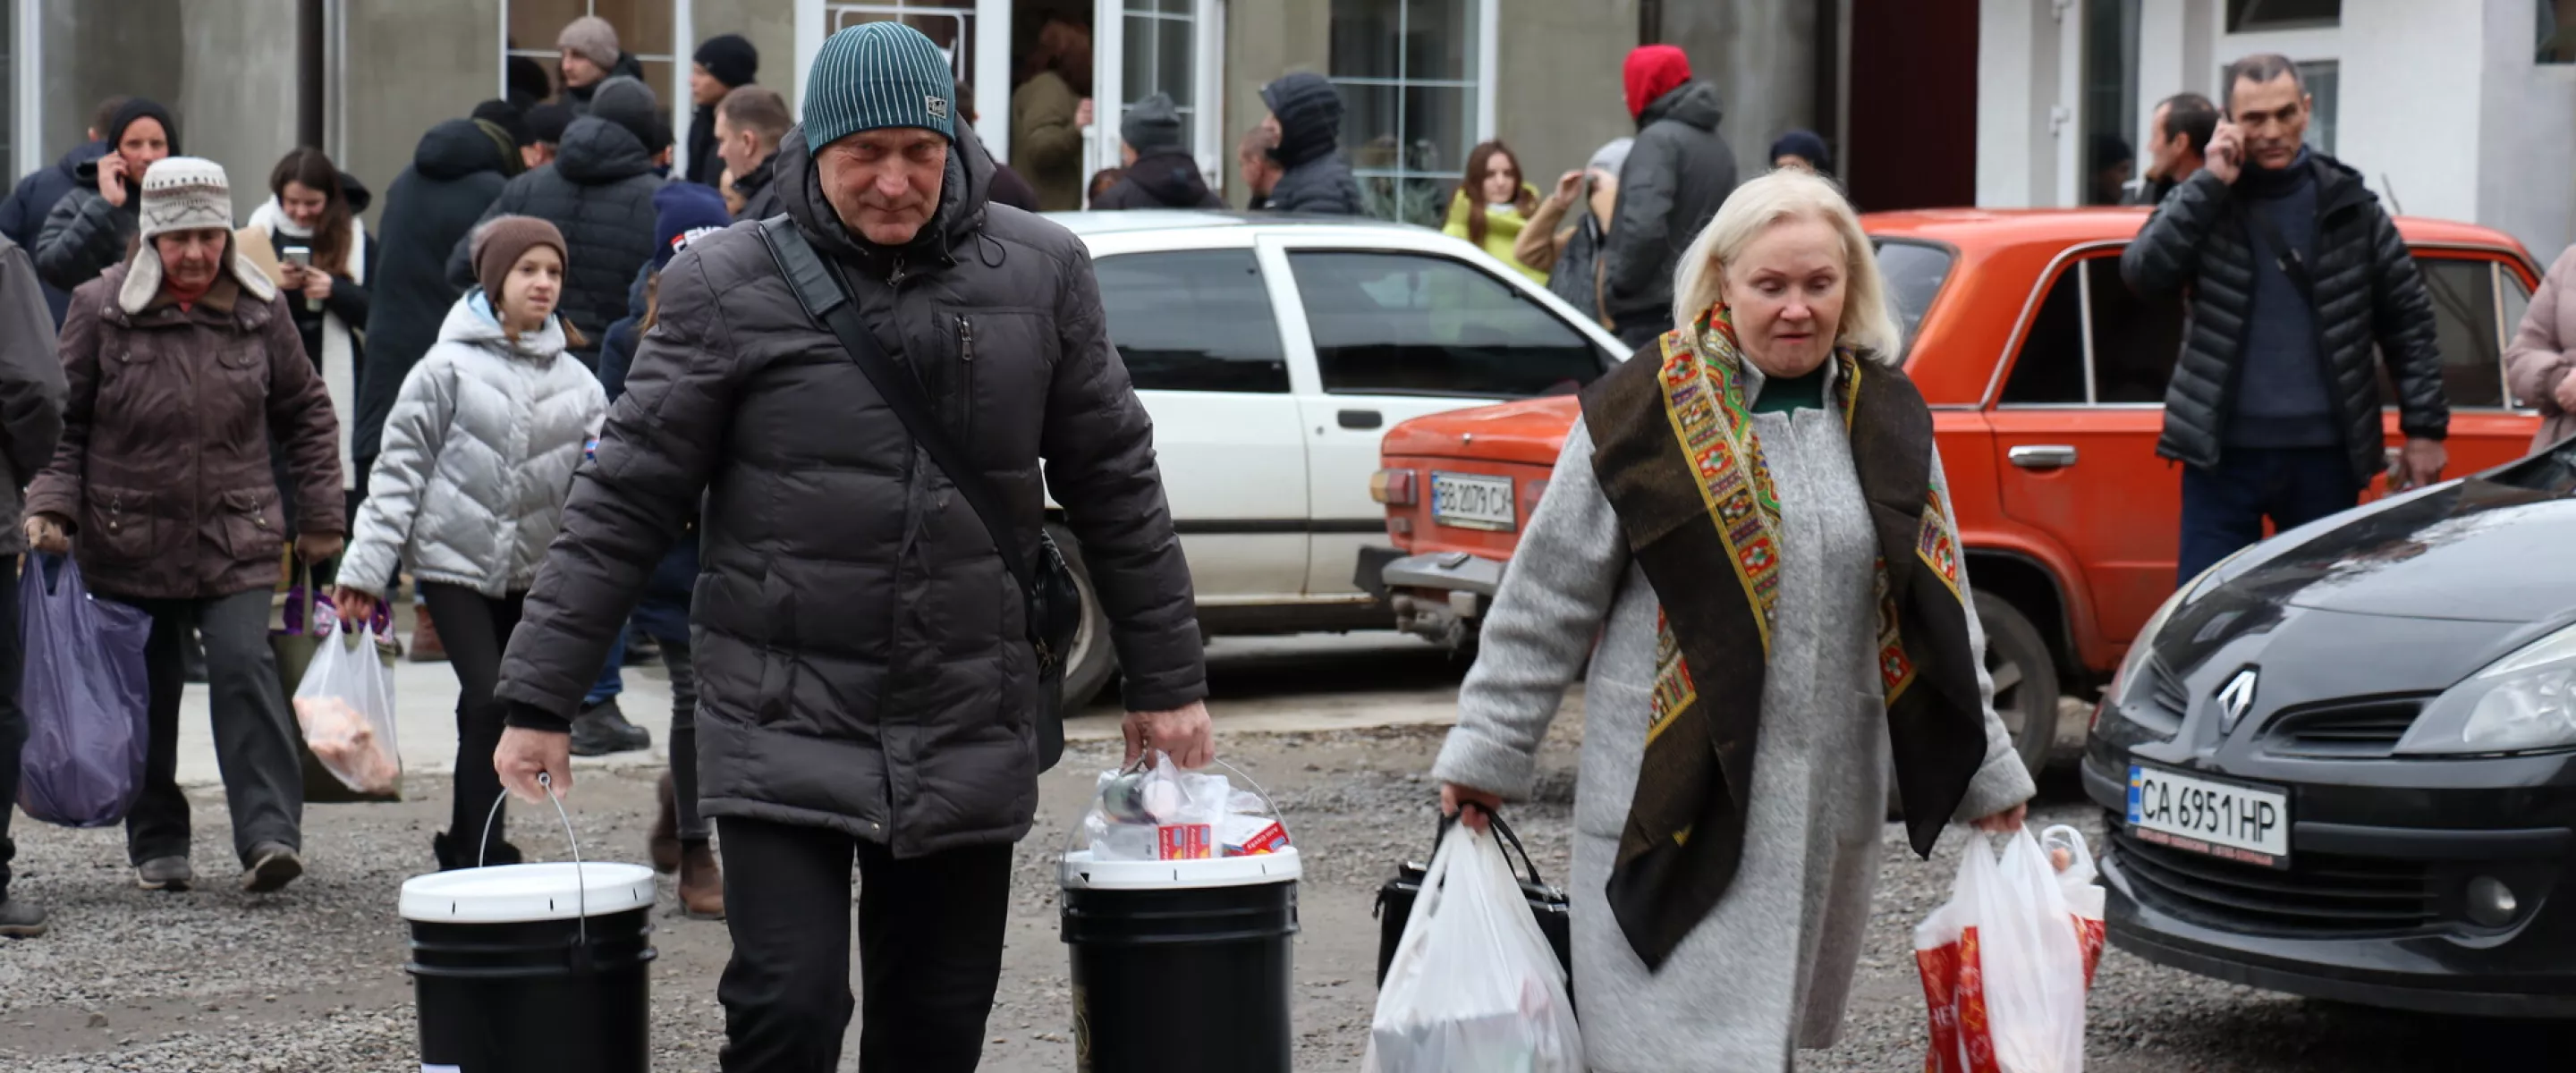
(2522, 702)
(2143, 646)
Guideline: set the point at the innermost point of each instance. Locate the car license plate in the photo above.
(1472, 502)
(2232, 820)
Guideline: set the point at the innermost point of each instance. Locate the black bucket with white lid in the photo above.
(1182, 966)
(533, 968)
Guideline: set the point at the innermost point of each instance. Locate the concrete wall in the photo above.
(226, 72)
(1557, 96)
(449, 59)
(2526, 136)
(1263, 40)
(1761, 55)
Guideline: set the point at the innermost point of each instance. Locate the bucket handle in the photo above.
(581, 885)
(1139, 764)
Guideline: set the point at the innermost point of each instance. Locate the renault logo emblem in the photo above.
(2235, 699)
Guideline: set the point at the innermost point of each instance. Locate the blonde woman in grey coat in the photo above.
(469, 489)
(1752, 520)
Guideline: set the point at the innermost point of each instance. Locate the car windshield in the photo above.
(1914, 273)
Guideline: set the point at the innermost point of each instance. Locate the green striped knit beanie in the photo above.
(875, 75)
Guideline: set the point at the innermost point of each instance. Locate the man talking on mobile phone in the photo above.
(2293, 272)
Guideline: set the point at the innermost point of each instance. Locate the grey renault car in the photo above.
(2342, 764)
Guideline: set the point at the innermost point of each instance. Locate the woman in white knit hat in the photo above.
(183, 364)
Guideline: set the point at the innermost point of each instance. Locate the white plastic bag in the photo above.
(345, 705)
(1474, 986)
(2006, 962)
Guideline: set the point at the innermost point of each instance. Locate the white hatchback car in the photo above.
(1273, 352)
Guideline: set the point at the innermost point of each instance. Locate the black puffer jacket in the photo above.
(1316, 178)
(599, 193)
(862, 656)
(85, 236)
(455, 174)
(1677, 174)
(2367, 293)
(22, 217)
(1167, 181)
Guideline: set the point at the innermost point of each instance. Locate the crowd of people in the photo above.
(572, 396)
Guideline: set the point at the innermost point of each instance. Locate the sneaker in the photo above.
(641, 649)
(192, 658)
(164, 873)
(272, 867)
(601, 729)
(21, 919)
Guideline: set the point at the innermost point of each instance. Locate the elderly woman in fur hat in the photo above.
(184, 363)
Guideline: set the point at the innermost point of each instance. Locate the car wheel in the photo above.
(2025, 677)
(1093, 660)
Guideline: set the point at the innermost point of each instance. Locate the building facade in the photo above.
(1423, 80)
(2461, 109)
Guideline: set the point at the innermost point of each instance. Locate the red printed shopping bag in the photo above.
(2006, 963)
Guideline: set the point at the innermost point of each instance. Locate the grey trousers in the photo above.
(254, 730)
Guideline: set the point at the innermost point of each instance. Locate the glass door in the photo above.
(1162, 46)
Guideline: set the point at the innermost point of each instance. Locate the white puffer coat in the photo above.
(478, 458)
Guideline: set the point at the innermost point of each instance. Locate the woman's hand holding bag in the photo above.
(1474, 985)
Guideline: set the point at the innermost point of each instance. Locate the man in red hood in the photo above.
(1677, 175)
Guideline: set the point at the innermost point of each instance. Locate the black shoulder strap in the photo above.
(819, 290)
(2292, 264)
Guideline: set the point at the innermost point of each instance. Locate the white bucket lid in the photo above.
(1080, 872)
(516, 893)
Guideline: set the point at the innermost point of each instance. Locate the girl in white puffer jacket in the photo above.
(469, 489)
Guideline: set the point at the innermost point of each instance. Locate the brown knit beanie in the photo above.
(499, 245)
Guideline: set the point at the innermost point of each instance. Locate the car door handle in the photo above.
(1362, 419)
(2042, 456)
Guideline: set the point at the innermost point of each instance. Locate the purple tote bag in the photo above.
(85, 695)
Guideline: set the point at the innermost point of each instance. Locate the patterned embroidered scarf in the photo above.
(1679, 459)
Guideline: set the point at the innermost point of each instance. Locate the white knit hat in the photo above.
(185, 193)
(182, 193)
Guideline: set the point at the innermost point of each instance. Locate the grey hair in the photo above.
(1868, 324)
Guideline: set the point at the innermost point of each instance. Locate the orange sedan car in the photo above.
(2046, 377)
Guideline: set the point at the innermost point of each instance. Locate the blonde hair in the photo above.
(1788, 194)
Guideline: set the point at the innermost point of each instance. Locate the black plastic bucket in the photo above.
(511, 976)
(1182, 966)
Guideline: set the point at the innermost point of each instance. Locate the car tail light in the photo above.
(1393, 487)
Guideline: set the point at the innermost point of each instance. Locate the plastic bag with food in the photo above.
(345, 706)
(2005, 964)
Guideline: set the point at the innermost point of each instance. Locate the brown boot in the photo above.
(664, 842)
(701, 882)
(424, 640)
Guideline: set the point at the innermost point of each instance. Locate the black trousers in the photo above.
(930, 951)
(13, 720)
(254, 733)
(475, 629)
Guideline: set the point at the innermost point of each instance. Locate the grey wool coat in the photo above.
(1770, 968)
(477, 459)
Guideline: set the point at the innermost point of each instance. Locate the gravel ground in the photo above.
(311, 979)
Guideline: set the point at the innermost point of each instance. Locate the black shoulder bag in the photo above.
(1054, 603)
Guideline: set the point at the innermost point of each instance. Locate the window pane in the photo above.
(2557, 33)
(1365, 40)
(2135, 340)
(2243, 15)
(1914, 274)
(1369, 131)
(1439, 39)
(2463, 294)
(1439, 126)
(1228, 342)
(1408, 324)
(2110, 98)
(2049, 371)
(2517, 302)
(2324, 79)
(534, 23)
(1421, 200)
(643, 26)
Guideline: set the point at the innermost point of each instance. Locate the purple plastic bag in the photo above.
(85, 695)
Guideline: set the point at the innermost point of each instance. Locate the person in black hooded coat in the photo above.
(598, 191)
(1306, 114)
(456, 173)
(84, 235)
(1161, 174)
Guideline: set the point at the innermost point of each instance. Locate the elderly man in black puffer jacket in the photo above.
(2294, 274)
(598, 191)
(866, 686)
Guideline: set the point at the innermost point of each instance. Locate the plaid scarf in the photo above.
(1681, 464)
